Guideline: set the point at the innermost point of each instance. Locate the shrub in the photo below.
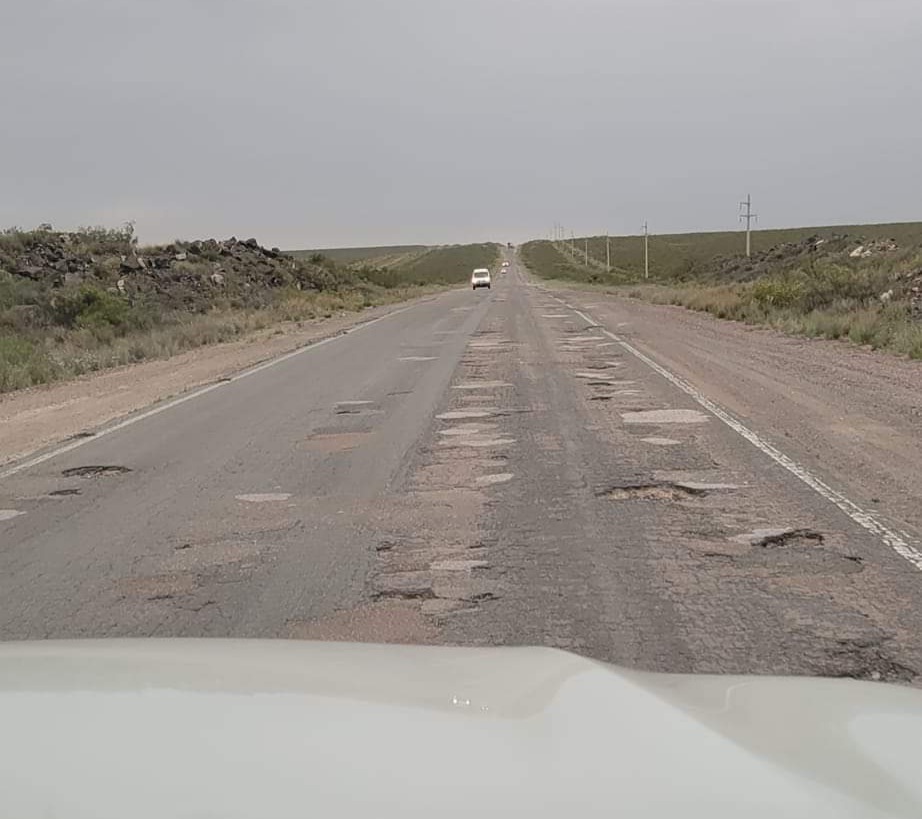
(777, 292)
(23, 364)
(88, 307)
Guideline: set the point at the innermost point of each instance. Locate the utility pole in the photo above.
(586, 252)
(572, 242)
(607, 253)
(646, 251)
(746, 215)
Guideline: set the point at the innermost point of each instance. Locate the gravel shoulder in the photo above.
(35, 418)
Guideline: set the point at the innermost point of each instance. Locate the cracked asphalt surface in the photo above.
(496, 467)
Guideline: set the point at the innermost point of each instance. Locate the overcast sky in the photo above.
(313, 123)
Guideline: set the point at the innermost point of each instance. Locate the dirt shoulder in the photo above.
(850, 415)
(37, 417)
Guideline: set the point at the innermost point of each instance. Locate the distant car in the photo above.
(480, 278)
(506, 263)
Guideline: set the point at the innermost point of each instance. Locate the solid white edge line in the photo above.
(134, 419)
(865, 520)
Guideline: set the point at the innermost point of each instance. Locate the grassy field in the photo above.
(368, 255)
(411, 265)
(448, 264)
(690, 255)
(803, 281)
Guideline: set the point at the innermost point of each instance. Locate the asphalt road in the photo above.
(513, 466)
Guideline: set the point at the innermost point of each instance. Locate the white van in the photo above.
(480, 278)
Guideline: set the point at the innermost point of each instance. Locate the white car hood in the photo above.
(267, 729)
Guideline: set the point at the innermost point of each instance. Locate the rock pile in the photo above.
(187, 275)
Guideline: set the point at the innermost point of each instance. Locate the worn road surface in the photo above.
(522, 465)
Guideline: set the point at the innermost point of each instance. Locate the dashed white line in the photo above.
(867, 521)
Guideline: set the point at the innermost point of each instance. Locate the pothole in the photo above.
(56, 493)
(404, 586)
(335, 441)
(94, 471)
(78, 435)
(656, 490)
(769, 538)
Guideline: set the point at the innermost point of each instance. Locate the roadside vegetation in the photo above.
(860, 283)
(74, 303)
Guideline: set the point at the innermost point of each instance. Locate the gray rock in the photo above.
(217, 279)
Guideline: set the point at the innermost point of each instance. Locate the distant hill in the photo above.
(371, 255)
(692, 255)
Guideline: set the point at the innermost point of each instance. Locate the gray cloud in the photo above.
(346, 122)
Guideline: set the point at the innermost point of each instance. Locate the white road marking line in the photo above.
(417, 358)
(900, 543)
(352, 403)
(134, 419)
(9, 514)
